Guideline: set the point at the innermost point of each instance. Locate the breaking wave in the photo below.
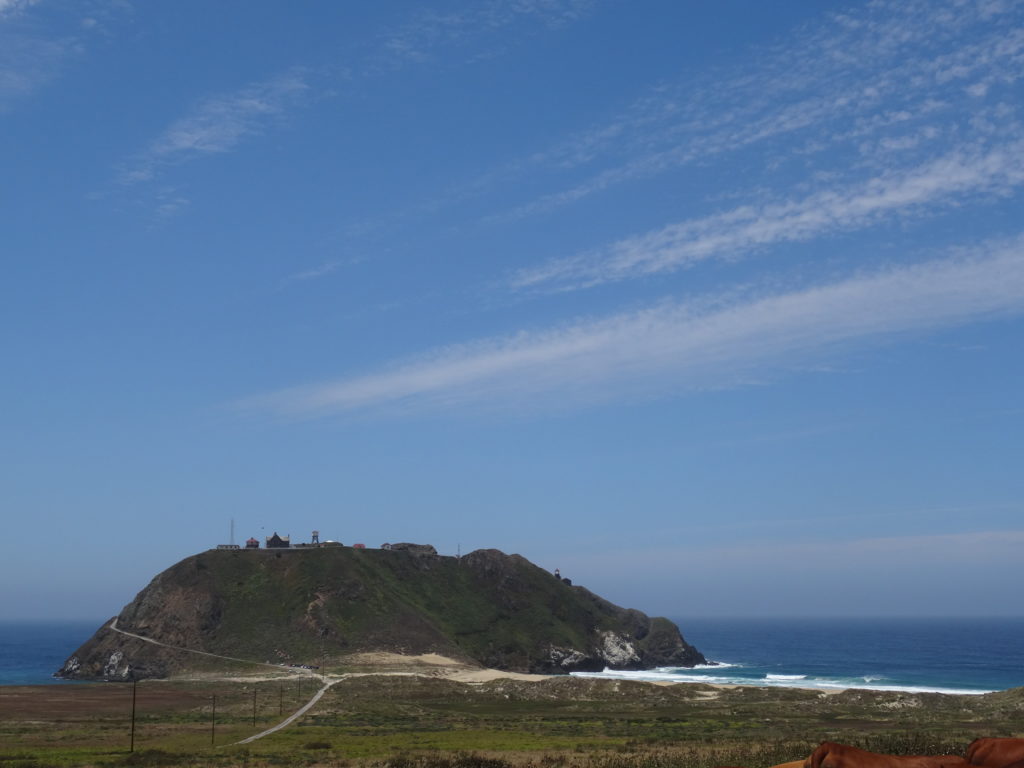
(660, 675)
(716, 674)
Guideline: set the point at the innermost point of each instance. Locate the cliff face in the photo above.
(292, 606)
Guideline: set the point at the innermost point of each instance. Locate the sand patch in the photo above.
(387, 659)
(431, 665)
(471, 675)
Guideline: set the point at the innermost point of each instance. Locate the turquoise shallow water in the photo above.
(941, 655)
(955, 655)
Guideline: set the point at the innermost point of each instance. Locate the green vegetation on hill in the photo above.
(297, 606)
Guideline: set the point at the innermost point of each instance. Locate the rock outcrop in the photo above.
(416, 549)
(289, 607)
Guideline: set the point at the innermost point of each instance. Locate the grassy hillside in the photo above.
(293, 606)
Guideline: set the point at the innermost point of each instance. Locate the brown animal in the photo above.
(832, 755)
(995, 753)
(793, 764)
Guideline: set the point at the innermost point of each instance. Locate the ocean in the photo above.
(913, 655)
(31, 651)
(916, 655)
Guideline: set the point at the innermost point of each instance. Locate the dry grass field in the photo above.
(418, 722)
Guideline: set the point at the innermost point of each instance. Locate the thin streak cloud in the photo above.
(313, 273)
(26, 63)
(884, 69)
(11, 7)
(429, 29)
(221, 123)
(926, 189)
(36, 44)
(218, 125)
(678, 347)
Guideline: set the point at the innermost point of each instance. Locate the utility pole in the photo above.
(254, 706)
(213, 720)
(131, 743)
(280, 700)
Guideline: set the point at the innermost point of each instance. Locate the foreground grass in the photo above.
(429, 723)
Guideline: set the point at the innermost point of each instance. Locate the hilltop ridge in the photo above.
(303, 607)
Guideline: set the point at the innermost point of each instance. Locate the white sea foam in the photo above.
(656, 676)
(716, 665)
(840, 685)
(694, 675)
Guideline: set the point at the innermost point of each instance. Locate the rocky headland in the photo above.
(315, 606)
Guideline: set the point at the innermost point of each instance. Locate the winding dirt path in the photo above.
(284, 723)
(295, 715)
(278, 667)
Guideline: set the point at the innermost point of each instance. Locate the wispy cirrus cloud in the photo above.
(430, 30)
(313, 273)
(222, 122)
(169, 203)
(219, 124)
(896, 73)
(881, 85)
(38, 39)
(32, 53)
(310, 274)
(950, 179)
(11, 7)
(679, 346)
(28, 62)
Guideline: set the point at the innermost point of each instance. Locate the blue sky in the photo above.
(717, 307)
